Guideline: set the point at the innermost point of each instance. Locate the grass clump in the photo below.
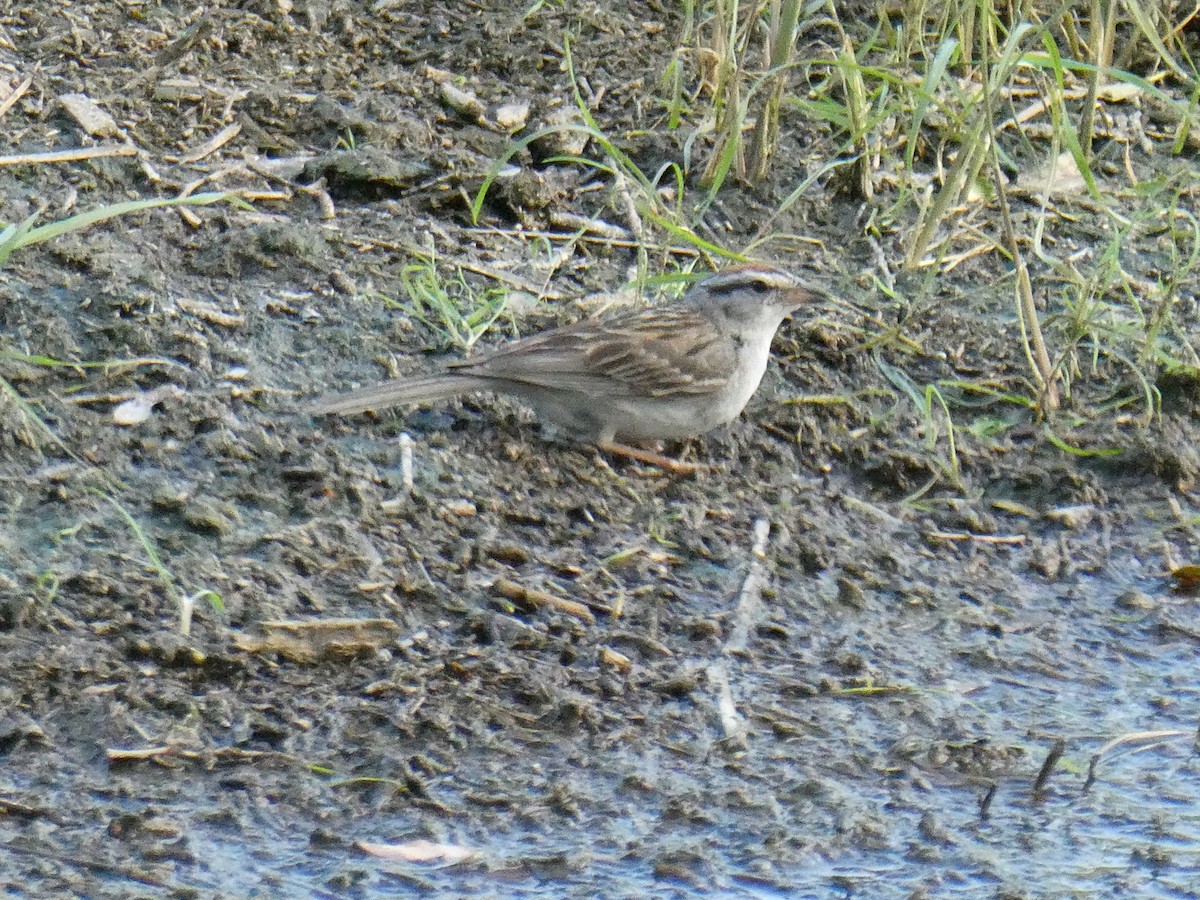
(456, 312)
(974, 134)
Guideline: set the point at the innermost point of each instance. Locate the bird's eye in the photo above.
(760, 287)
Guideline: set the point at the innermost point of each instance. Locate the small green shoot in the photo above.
(16, 236)
(1062, 445)
(536, 5)
(184, 602)
(987, 427)
(45, 589)
(924, 402)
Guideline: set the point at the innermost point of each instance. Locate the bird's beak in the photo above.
(807, 295)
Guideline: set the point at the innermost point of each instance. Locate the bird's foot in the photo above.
(653, 458)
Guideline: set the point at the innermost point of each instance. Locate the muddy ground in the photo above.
(870, 724)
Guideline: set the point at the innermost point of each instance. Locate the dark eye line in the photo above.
(756, 285)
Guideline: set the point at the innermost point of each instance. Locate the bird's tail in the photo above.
(394, 393)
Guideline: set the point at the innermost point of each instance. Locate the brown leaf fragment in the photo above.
(1187, 578)
(533, 597)
(311, 641)
(210, 313)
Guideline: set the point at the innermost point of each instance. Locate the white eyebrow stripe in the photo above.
(770, 277)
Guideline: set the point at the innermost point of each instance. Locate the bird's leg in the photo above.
(666, 463)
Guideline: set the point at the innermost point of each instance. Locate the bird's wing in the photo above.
(649, 353)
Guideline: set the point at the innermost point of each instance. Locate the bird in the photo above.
(664, 373)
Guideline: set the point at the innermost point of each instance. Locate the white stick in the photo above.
(749, 607)
(406, 461)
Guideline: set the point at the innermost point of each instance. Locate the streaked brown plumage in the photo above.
(663, 373)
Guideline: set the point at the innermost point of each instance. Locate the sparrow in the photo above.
(668, 372)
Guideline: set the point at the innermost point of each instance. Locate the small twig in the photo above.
(210, 313)
(642, 641)
(318, 191)
(102, 151)
(853, 504)
(213, 144)
(406, 461)
(1155, 739)
(201, 756)
(747, 613)
(593, 226)
(14, 95)
(978, 538)
(252, 196)
(213, 177)
(733, 726)
(632, 215)
(588, 238)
